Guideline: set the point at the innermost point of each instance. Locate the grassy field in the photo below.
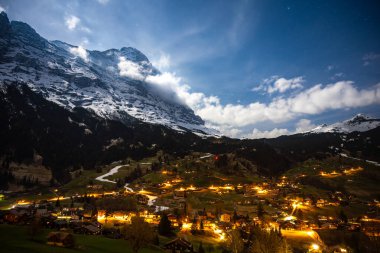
(14, 239)
(363, 184)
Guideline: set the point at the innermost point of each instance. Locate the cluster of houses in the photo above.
(283, 199)
(76, 219)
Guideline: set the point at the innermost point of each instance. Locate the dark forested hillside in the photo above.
(65, 140)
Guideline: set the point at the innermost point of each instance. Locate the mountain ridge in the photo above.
(72, 76)
(358, 123)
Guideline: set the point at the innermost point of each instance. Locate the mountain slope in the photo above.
(64, 140)
(74, 77)
(359, 123)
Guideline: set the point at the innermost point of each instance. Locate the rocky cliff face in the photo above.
(111, 83)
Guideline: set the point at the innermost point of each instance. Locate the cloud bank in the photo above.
(80, 52)
(315, 100)
(279, 84)
(129, 69)
(72, 22)
(230, 119)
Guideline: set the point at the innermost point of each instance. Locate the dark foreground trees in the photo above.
(263, 241)
(165, 226)
(258, 240)
(138, 233)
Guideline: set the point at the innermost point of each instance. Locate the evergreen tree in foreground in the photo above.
(165, 226)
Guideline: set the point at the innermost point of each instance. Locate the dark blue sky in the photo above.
(252, 55)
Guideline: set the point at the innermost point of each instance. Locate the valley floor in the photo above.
(15, 239)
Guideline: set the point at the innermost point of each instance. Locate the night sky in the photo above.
(248, 68)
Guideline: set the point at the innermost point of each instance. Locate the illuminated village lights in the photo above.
(224, 188)
(176, 180)
(213, 188)
(352, 171)
(314, 248)
(23, 202)
(219, 233)
(290, 217)
(191, 188)
(260, 190)
(186, 226)
(346, 172)
(167, 185)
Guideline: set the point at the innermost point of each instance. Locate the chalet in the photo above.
(60, 224)
(225, 217)
(178, 194)
(18, 215)
(329, 225)
(142, 199)
(42, 212)
(95, 187)
(61, 239)
(89, 230)
(178, 245)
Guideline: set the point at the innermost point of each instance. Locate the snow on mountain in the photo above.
(359, 123)
(111, 82)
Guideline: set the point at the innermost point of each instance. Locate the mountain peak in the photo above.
(4, 16)
(95, 83)
(27, 34)
(358, 123)
(359, 118)
(133, 54)
(4, 23)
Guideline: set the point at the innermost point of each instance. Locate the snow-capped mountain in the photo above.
(359, 123)
(72, 76)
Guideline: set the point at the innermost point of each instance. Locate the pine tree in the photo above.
(57, 203)
(156, 240)
(260, 211)
(164, 227)
(235, 217)
(200, 249)
(343, 216)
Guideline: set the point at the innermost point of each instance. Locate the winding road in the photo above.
(151, 198)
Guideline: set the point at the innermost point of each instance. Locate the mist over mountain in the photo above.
(115, 84)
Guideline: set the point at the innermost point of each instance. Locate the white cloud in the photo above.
(304, 125)
(315, 100)
(163, 62)
(85, 29)
(72, 22)
(80, 52)
(337, 76)
(368, 58)
(257, 134)
(104, 2)
(2, 9)
(282, 84)
(230, 118)
(259, 88)
(371, 57)
(129, 69)
(279, 84)
(170, 85)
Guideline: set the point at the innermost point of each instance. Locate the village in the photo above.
(196, 212)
